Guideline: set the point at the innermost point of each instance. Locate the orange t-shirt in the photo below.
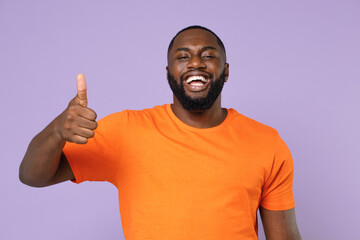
(179, 182)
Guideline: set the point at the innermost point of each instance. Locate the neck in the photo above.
(202, 118)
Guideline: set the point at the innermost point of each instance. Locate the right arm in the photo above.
(44, 163)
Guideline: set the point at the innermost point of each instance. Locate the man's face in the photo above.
(196, 69)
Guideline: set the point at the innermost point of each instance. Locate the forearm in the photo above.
(43, 164)
(42, 157)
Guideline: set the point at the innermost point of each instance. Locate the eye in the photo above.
(182, 57)
(208, 56)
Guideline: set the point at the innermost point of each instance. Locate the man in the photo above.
(187, 170)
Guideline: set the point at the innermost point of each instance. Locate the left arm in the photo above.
(280, 225)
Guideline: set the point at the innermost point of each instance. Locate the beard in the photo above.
(199, 103)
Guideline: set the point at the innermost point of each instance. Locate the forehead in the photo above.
(195, 38)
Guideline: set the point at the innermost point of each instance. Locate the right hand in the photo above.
(77, 123)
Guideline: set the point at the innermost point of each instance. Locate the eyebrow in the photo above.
(208, 48)
(203, 49)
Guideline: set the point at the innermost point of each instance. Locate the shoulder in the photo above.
(250, 126)
(147, 112)
(134, 116)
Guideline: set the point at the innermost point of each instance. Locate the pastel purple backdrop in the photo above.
(294, 65)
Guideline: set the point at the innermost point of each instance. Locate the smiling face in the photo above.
(196, 69)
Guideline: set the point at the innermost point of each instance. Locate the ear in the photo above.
(167, 72)
(226, 71)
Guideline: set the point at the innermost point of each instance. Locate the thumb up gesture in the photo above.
(77, 123)
(81, 97)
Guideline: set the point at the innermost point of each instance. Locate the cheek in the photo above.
(219, 68)
(177, 69)
(214, 68)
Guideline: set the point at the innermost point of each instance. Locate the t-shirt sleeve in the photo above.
(277, 191)
(99, 158)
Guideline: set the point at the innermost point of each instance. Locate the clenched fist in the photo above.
(77, 123)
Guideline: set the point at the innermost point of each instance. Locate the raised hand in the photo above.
(77, 123)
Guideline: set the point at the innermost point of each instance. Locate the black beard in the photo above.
(196, 104)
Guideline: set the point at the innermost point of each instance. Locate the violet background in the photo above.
(294, 65)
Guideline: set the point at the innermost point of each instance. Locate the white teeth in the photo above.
(198, 78)
(196, 84)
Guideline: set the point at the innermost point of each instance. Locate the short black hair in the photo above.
(197, 27)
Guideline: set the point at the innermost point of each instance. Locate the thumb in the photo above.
(81, 97)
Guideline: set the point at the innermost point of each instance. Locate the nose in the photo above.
(196, 62)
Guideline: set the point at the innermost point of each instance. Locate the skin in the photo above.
(194, 51)
(44, 163)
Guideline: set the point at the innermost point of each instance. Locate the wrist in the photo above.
(55, 132)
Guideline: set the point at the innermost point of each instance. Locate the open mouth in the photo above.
(196, 83)
(196, 80)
